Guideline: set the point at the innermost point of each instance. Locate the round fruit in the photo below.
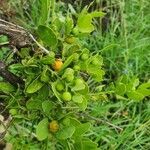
(84, 56)
(76, 57)
(54, 126)
(70, 40)
(13, 112)
(59, 87)
(95, 61)
(76, 67)
(66, 96)
(66, 121)
(69, 78)
(57, 64)
(69, 71)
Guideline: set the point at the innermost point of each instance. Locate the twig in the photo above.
(20, 37)
(10, 77)
(102, 121)
(40, 46)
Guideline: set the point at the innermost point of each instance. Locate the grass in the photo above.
(125, 45)
(125, 48)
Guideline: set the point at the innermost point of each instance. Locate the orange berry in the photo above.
(57, 64)
(54, 126)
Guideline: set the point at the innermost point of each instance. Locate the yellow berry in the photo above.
(57, 64)
(54, 126)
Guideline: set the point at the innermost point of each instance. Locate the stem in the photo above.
(102, 121)
(10, 77)
(40, 46)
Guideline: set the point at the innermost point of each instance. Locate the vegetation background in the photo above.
(123, 39)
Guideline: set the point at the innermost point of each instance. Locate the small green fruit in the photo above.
(84, 56)
(66, 121)
(76, 57)
(69, 71)
(66, 96)
(13, 112)
(69, 78)
(95, 61)
(59, 87)
(76, 68)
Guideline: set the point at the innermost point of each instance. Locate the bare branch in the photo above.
(8, 76)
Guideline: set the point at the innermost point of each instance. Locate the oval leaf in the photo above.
(81, 129)
(34, 86)
(47, 107)
(42, 129)
(66, 133)
(6, 87)
(85, 23)
(47, 35)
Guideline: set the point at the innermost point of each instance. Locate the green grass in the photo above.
(125, 45)
(126, 50)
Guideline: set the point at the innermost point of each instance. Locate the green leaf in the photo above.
(97, 14)
(78, 145)
(42, 130)
(79, 85)
(133, 84)
(89, 145)
(44, 11)
(33, 104)
(47, 35)
(45, 77)
(34, 86)
(77, 98)
(68, 25)
(67, 63)
(120, 89)
(85, 91)
(84, 23)
(134, 95)
(121, 97)
(17, 66)
(66, 132)
(83, 105)
(81, 129)
(58, 23)
(68, 50)
(144, 89)
(48, 59)
(55, 91)
(43, 93)
(47, 107)
(6, 87)
(74, 122)
(96, 73)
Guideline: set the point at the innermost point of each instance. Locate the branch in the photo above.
(10, 77)
(102, 121)
(18, 36)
